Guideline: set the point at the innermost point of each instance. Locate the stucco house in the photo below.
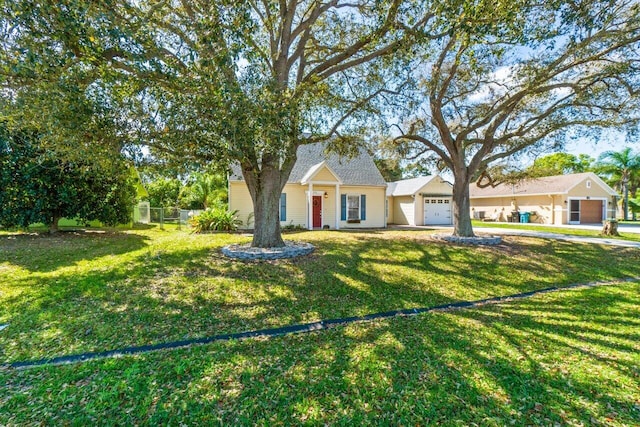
(425, 200)
(581, 198)
(323, 191)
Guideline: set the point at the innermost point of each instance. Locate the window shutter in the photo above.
(363, 207)
(283, 207)
(343, 207)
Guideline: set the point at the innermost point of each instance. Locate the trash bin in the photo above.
(524, 217)
(515, 216)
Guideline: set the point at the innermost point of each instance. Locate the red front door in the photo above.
(317, 211)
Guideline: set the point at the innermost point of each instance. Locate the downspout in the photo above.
(553, 209)
(228, 192)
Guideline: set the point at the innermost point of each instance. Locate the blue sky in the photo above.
(595, 149)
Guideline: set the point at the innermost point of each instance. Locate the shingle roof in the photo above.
(557, 184)
(409, 186)
(359, 170)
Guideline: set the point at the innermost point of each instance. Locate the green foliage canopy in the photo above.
(206, 190)
(621, 170)
(219, 80)
(37, 185)
(164, 192)
(561, 164)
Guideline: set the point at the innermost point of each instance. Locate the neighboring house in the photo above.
(425, 200)
(323, 191)
(581, 198)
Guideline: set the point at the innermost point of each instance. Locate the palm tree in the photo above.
(622, 168)
(207, 189)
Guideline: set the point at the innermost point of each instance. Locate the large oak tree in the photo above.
(220, 80)
(513, 76)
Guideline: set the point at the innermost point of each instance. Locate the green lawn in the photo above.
(568, 358)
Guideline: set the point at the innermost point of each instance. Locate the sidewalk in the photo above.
(622, 228)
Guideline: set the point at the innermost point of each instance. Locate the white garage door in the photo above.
(437, 211)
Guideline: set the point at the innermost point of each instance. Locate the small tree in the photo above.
(39, 186)
(560, 164)
(622, 169)
(206, 190)
(164, 192)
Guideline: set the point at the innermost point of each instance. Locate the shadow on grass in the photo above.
(160, 296)
(494, 366)
(42, 252)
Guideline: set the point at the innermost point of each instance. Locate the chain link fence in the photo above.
(144, 214)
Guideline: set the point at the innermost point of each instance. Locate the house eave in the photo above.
(556, 193)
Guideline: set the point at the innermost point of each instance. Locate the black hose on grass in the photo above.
(296, 329)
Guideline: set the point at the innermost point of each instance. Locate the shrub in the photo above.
(293, 227)
(215, 219)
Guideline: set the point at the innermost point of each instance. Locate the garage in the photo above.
(586, 211)
(419, 201)
(581, 198)
(437, 211)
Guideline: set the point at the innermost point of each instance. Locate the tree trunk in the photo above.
(625, 203)
(462, 207)
(265, 193)
(610, 228)
(53, 226)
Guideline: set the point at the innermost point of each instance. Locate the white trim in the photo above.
(337, 213)
(321, 183)
(359, 206)
(310, 207)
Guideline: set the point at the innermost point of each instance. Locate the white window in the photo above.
(353, 207)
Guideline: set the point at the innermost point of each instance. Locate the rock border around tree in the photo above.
(292, 249)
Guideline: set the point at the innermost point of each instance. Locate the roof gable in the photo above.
(316, 171)
(595, 178)
(409, 186)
